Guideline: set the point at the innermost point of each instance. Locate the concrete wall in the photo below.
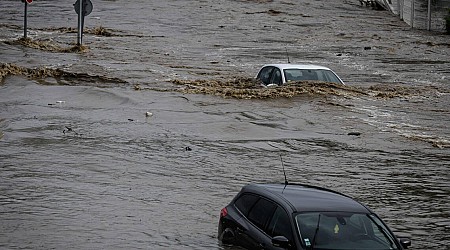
(415, 13)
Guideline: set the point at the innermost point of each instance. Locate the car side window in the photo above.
(321, 76)
(245, 202)
(279, 225)
(265, 74)
(276, 76)
(261, 212)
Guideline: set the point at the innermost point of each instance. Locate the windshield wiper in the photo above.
(315, 233)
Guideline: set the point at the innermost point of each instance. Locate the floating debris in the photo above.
(56, 103)
(434, 141)
(98, 31)
(372, 3)
(43, 72)
(394, 90)
(69, 130)
(47, 45)
(250, 88)
(274, 12)
(258, 1)
(148, 114)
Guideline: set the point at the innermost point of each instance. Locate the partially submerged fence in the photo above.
(420, 14)
(425, 14)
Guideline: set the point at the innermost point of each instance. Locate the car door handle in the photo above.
(239, 230)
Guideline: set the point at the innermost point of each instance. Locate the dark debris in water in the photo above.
(68, 78)
(68, 130)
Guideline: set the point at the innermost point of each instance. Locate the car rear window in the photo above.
(245, 202)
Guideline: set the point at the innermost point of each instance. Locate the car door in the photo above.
(271, 220)
(280, 225)
(244, 204)
(265, 74)
(259, 217)
(276, 77)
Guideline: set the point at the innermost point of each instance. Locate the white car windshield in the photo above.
(342, 230)
(310, 75)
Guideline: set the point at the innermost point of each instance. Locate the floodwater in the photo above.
(83, 167)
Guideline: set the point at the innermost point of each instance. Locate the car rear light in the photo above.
(223, 212)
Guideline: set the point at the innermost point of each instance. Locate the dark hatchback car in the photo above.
(294, 216)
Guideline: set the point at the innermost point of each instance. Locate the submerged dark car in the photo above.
(294, 216)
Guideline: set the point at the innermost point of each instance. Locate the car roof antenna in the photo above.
(287, 54)
(284, 172)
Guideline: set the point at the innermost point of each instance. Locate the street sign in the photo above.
(87, 7)
(82, 8)
(29, 1)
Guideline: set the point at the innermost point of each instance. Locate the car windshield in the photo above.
(342, 230)
(310, 75)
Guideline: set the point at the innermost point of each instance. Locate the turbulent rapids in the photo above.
(237, 87)
(62, 77)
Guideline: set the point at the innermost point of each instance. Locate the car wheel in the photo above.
(227, 236)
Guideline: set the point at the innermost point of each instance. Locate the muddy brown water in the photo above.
(83, 167)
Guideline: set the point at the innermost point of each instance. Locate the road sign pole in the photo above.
(82, 8)
(82, 27)
(80, 23)
(25, 20)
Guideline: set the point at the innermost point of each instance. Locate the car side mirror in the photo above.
(280, 241)
(405, 242)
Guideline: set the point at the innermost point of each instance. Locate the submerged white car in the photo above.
(278, 74)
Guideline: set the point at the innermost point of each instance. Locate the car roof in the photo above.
(296, 66)
(307, 198)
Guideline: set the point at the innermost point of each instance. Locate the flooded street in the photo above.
(83, 167)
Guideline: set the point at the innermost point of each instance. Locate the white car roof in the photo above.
(296, 66)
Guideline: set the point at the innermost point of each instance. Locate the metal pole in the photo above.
(429, 15)
(25, 21)
(80, 23)
(412, 13)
